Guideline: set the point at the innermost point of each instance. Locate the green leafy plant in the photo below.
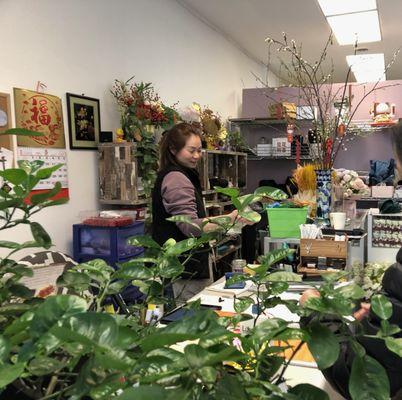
(67, 346)
(369, 276)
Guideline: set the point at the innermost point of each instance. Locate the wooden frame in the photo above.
(5, 121)
(83, 122)
(119, 179)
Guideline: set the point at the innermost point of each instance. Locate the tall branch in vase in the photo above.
(317, 90)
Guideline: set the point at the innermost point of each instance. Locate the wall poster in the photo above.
(39, 112)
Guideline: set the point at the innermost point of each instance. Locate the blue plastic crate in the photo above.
(108, 243)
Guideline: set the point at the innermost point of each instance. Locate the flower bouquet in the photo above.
(214, 132)
(350, 183)
(369, 276)
(141, 109)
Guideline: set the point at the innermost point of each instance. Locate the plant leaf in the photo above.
(143, 393)
(323, 345)
(394, 345)
(368, 380)
(9, 245)
(53, 310)
(46, 173)
(241, 304)
(351, 291)
(268, 329)
(21, 132)
(14, 175)
(271, 192)
(381, 306)
(41, 197)
(42, 365)
(229, 387)
(4, 348)
(247, 199)
(283, 276)
(133, 272)
(231, 192)
(252, 216)
(306, 391)
(183, 219)
(12, 203)
(10, 372)
(170, 267)
(181, 247)
(143, 241)
(40, 235)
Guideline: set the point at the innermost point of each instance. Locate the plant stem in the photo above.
(298, 347)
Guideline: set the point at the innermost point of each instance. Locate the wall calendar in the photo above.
(51, 157)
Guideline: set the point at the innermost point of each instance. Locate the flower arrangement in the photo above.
(369, 277)
(214, 131)
(140, 106)
(305, 179)
(349, 182)
(141, 111)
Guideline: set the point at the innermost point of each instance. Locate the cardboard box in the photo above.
(382, 192)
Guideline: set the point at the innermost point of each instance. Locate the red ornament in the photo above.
(290, 128)
(341, 129)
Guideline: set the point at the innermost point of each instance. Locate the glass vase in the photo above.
(324, 183)
(349, 207)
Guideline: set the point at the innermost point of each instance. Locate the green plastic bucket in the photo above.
(284, 222)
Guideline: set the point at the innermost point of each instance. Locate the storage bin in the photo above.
(382, 192)
(284, 222)
(108, 243)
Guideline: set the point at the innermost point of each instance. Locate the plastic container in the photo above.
(106, 242)
(284, 222)
(105, 218)
(238, 265)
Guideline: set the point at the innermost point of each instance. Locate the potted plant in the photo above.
(67, 346)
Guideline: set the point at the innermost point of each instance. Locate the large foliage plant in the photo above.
(68, 347)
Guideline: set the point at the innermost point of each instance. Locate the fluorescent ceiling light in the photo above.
(337, 7)
(361, 27)
(367, 67)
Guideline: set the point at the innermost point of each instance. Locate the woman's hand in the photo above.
(363, 311)
(235, 218)
(308, 294)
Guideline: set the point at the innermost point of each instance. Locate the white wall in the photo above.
(81, 46)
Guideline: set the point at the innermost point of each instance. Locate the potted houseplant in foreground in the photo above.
(67, 347)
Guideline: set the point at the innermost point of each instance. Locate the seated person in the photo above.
(338, 374)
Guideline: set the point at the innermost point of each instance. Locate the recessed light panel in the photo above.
(367, 67)
(362, 27)
(337, 7)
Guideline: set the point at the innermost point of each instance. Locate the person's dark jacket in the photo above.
(162, 230)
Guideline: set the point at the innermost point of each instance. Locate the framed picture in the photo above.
(5, 121)
(83, 122)
(39, 112)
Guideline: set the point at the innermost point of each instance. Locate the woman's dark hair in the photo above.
(397, 138)
(173, 141)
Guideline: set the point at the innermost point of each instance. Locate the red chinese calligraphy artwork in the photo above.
(39, 112)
